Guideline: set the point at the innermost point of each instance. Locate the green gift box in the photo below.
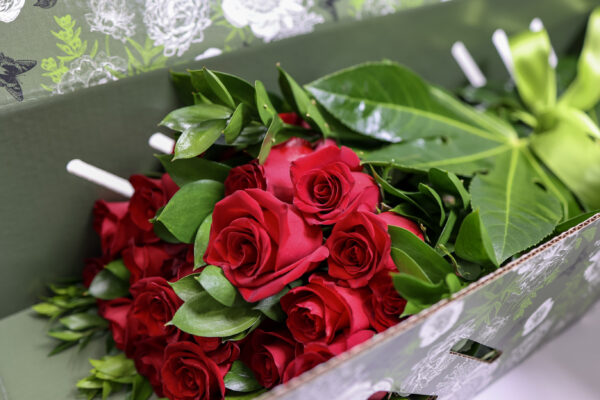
(46, 217)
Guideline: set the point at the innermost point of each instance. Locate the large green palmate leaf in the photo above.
(515, 211)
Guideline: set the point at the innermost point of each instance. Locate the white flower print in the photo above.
(537, 269)
(10, 9)
(362, 390)
(440, 322)
(208, 53)
(538, 316)
(111, 17)
(176, 24)
(592, 272)
(272, 19)
(372, 8)
(87, 71)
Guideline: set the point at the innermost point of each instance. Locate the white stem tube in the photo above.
(500, 40)
(468, 65)
(537, 25)
(162, 143)
(100, 177)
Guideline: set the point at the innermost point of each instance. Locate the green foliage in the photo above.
(112, 282)
(144, 58)
(240, 378)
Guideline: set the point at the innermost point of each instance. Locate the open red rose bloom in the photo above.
(298, 238)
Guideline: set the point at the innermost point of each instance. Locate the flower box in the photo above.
(512, 310)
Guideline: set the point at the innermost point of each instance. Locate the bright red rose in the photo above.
(160, 259)
(359, 247)
(322, 309)
(154, 304)
(328, 185)
(391, 218)
(247, 176)
(222, 353)
(267, 354)
(148, 358)
(150, 195)
(188, 374)
(91, 269)
(115, 312)
(386, 305)
(277, 167)
(262, 243)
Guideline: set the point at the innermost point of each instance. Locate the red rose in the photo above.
(262, 243)
(222, 353)
(114, 226)
(154, 304)
(91, 269)
(160, 259)
(115, 312)
(386, 305)
(391, 218)
(268, 354)
(277, 167)
(188, 374)
(322, 309)
(359, 247)
(149, 196)
(328, 185)
(247, 176)
(148, 358)
(292, 118)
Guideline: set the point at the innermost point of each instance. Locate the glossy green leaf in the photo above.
(433, 200)
(204, 316)
(215, 283)
(270, 138)
(241, 90)
(184, 171)
(186, 210)
(265, 108)
(473, 242)
(197, 138)
(118, 268)
(187, 287)
(448, 229)
(239, 119)
(218, 88)
(419, 291)
(240, 378)
(407, 265)
(115, 366)
(453, 283)
(81, 321)
(514, 211)
(201, 242)
(271, 307)
(108, 286)
(141, 389)
(447, 183)
(187, 117)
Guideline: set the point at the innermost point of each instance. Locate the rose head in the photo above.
(161, 259)
(91, 269)
(386, 305)
(115, 312)
(328, 184)
(359, 247)
(149, 196)
(222, 353)
(277, 166)
(262, 243)
(148, 357)
(247, 176)
(317, 312)
(113, 224)
(188, 374)
(391, 218)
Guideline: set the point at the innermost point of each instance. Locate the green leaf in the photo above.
(188, 287)
(118, 268)
(448, 229)
(244, 396)
(204, 316)
(218, 88)
(89, 382)
(184, 171)
(434, 201)
(419, 291)
(473, 242)
(81, 321)
(107, 286)
(215, 283)
(407, 265)
(515, 212)
(271, 307)
(565, 226)
(118, 366)
(265, 108)
(447, 183)
(453, 283)
(240, 378)
(47, 309)
(432, 264)
(187, 117)
(183, 86)
(62, 346)
(240, 90)
(274, 127)
(196, 139)
(141, 389)
(201, 242)
(186, 210)
(239, 119)
(68, 336)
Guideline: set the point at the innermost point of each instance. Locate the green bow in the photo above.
(566, 136)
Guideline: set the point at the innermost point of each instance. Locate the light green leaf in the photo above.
(215, 283)
(188, 287)
(184, 171)
(197, 138)
(274, 127)
(407, 265)
(187, 117)
(47, 309)
(117, 366)
(473, 242)
(81, 321)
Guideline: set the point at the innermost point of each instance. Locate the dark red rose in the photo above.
(114, 226)
(154, 304)
(148, 358)
(328, 185)
(322, 309)
(262, 243)
(277, 167)
(91, 269)
(391, 218)
(115, 312)
(222, 353)
(160, 259)
(267, 354)
(359, 247)
(247, 176)
(386, 305)
(150, 195)
(188, 374)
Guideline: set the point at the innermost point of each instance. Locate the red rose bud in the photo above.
(359, 247)
(148, 357)
(154, 304)
(328, 185)
(113, 224)
(391, 218)
(386, 305)
(222, 353)
(322, 309)
(291, 118)
(91, 269)
(149, 196)
(247, 176)
(268, 354)
(277, 167)
(188, 374)
(262, 243)
(115, 312)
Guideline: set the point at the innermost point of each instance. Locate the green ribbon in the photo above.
(565, 137)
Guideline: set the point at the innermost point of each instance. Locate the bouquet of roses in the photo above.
(269, 247)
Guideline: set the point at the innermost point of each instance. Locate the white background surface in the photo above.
(567, 368)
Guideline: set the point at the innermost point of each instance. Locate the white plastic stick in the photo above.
(468, 65)
(500, 40)
(100, 177)
(537, 25)
(162, 143)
